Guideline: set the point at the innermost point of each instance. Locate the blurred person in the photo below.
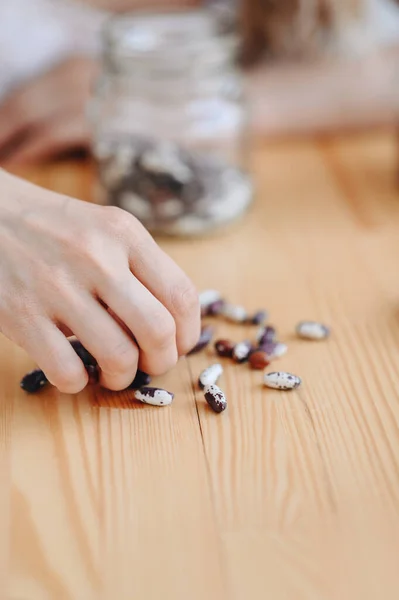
(49, 53)
(316, 65)
(322, 65)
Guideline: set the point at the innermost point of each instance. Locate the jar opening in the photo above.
(167, 42)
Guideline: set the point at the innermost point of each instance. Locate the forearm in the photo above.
(308, 98)
(127, 5)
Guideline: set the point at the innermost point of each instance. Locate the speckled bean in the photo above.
(215, 398)
(242, 351)
(210, 375)
(282, 381)
(154, 396)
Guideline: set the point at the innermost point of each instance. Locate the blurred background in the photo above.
(310, 66)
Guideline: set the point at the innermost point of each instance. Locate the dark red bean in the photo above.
(224, 348)
(259, 360)
(205, 338)
(34, 381)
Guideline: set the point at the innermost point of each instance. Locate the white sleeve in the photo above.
(35, 34)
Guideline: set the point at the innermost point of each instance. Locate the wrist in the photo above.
(18, 195)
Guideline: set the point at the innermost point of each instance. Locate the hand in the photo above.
(47, 116)
(67, 267)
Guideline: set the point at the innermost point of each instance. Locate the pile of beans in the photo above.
(171, 189)
(259, 353)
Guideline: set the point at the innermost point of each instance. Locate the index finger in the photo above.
(170, 285)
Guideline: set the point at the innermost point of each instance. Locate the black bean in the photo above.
(83, 354)
(93, 373)
(140, 379)
(34, 381)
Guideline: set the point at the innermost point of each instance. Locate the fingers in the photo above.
(152, 324)
(50, 349)
(114, 350)
(169, 284)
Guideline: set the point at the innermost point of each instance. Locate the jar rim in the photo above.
(161, 37)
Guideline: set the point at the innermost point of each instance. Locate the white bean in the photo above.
(210, 375)
(282, 381)
(154, 396)
(312, 330)
(235, 313)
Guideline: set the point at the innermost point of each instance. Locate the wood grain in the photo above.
(290, 496)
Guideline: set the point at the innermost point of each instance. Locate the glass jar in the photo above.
(170, 122)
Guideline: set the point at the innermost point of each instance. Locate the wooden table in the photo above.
(283, 497)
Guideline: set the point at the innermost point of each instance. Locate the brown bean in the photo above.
(259, 360)
(224, 348)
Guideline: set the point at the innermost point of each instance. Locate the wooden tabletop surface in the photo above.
(285, 496)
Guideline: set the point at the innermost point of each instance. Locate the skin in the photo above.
(67, 267)
(47, 116)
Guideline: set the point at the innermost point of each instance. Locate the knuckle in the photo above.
(185, 299)
(119, 359)
(117, 221)
(163, 332)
